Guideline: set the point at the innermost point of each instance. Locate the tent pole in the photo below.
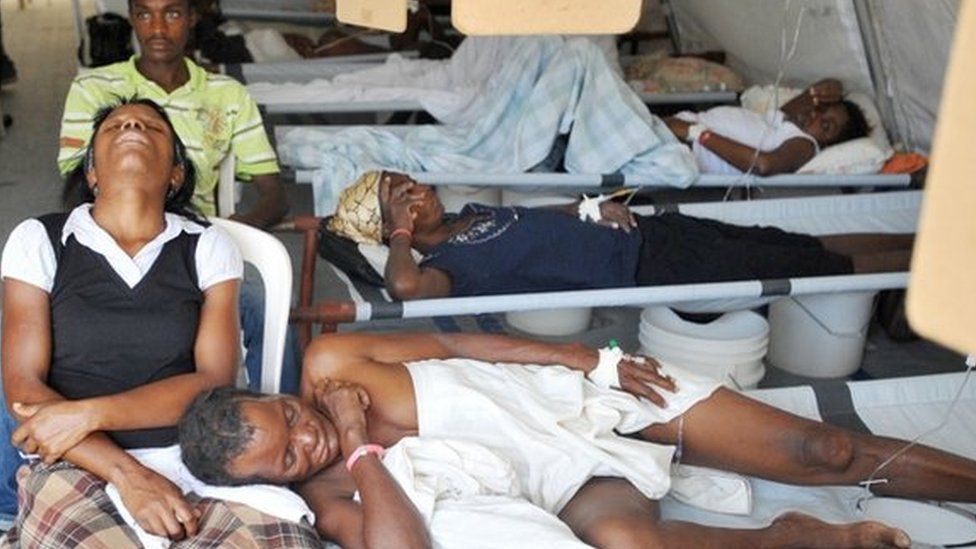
(879, 77)
(80, 29)
(672, 23)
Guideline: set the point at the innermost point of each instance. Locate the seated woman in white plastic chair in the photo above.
(734, 140)
(506, 442)
(504, 250)
(116, 315)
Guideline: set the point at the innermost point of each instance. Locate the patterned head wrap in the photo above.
(358, 216)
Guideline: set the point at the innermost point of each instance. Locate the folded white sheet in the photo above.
(276, 501)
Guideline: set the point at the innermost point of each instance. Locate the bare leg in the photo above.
(732, 432)
(882, 262)
(610, 512)
(866, 243)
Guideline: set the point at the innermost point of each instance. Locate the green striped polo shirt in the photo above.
(213, 115)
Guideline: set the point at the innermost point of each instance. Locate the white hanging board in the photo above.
(388, 15)
(942, 291)
(481, 17)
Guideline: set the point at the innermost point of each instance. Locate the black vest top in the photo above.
(108, 338)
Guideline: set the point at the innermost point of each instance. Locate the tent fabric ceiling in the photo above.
(914, 38)
(910, 40)
(749, 31)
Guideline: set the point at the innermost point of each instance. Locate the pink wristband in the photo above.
(401, 230)
(374, 449)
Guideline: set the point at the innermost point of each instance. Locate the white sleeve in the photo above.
(217, 259)
(29, 257)
(689, 117)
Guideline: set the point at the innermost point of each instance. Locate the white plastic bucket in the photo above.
(704, 357)
(820, 336)
(738, 331)
(729, 349)
(735, 375)
(454, 197)
(551, 322)
(546, 322)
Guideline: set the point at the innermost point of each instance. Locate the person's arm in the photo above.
(358, 356)
(678, 127)
(52, 428)
(255, 160)
(787, 158)
(823, 92)
(396, 348)
(271, 205)
(153, 501)
(790, 156)
(612, 214)
(404, 278)
(384, 515)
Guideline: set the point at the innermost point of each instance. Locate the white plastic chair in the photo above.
(271, 259)
(228, 189)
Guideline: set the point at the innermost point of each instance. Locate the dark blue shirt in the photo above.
(513, 250)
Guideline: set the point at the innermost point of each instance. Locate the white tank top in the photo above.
(765, 133)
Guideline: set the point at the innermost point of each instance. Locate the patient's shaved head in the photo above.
(213, 432)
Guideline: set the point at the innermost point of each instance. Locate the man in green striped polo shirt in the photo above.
(213, 114)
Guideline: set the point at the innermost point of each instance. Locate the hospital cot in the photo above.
(398, 105)
(900, 407)
(306, 70)
(570, 180)
(596, 181)
(291, 11)
(894, 212)
(303, 72)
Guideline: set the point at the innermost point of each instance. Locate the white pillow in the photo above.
(268, 45)
(877, 135)
(854, 157)
(866, 155)
(377, 254)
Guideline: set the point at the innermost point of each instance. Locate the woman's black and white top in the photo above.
(119, 322)
(29, 256)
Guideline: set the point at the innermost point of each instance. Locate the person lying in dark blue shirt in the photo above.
(502, 250)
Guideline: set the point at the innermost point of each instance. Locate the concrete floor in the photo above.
(42, 41)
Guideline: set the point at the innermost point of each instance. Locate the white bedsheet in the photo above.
(479, 496)
(901, 407)
(503, 447)
(443, 87)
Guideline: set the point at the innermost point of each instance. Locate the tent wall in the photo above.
(750, 33)
(913, 42)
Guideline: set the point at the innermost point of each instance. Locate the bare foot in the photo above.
(799, 530)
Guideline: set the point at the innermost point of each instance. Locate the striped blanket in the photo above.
(545, 87)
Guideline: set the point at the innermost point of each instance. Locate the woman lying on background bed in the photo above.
(503, 250)
(724, 139)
